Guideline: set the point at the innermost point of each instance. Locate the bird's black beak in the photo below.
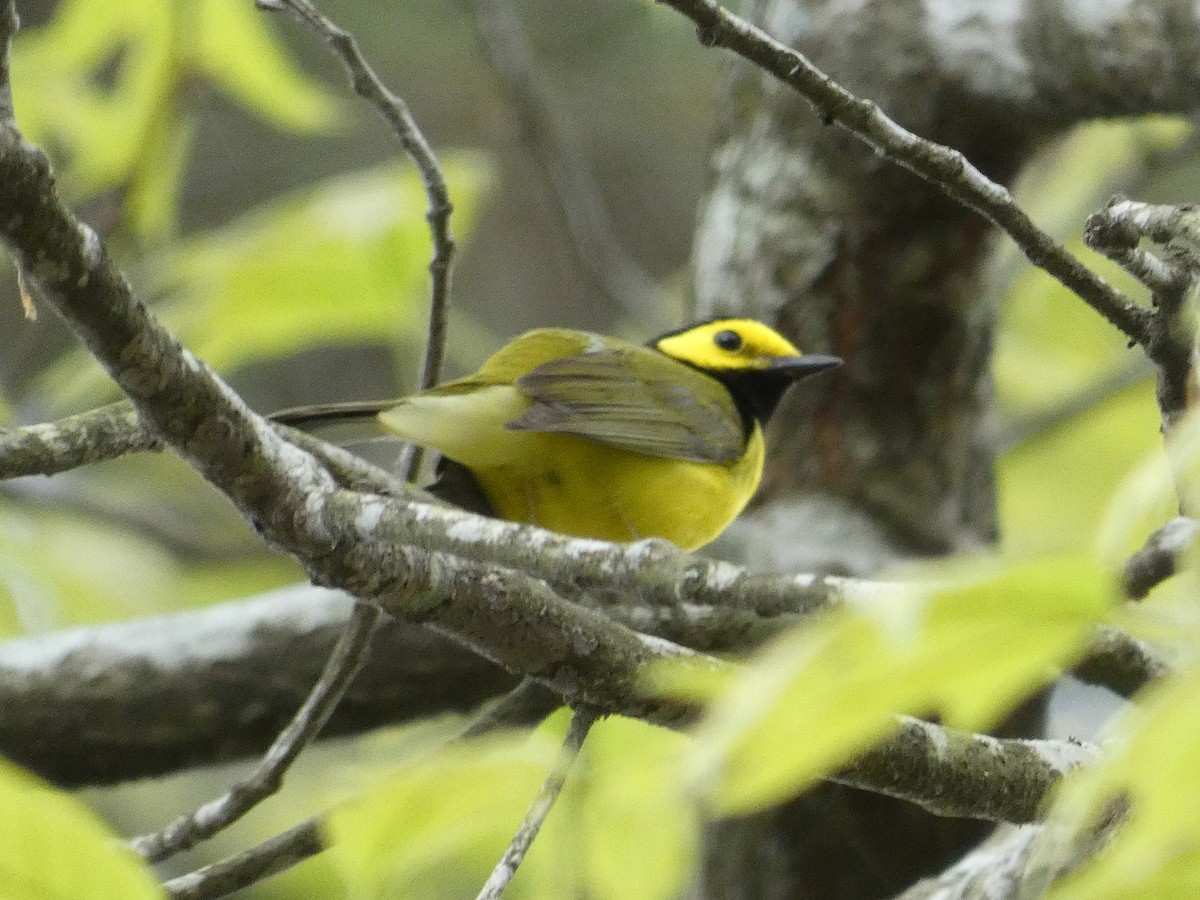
(796, 367)
(757, 391)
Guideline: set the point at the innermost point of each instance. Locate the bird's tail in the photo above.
(343, 423)
(358, 421)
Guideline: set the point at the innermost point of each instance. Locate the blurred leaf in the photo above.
(58, 569)
(1151, 763)
(623, 828)
(153, 199)
(1053, 489)
(99, 83)
(347, 261)
(969, 650)
(343, 262)
(1152, 493)
(238, 51)
(436, 828)
(639, 829)
(55, 847)
(91, 83)
(1051, 348)
(136, 537)
(1052, 345)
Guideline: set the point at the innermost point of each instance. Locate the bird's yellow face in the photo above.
(728, 345)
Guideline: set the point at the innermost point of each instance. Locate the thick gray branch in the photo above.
(951, 773)
(136, 699)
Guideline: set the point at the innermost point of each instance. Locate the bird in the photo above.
(592, 436)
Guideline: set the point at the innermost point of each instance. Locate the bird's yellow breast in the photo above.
(574, 485)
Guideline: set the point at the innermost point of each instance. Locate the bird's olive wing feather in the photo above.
(634, 399)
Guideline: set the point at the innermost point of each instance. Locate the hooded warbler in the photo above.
(593, 436)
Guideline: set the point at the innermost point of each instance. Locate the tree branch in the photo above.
(975, 776)
(514, 855)
(992, 871)
(251, 866)
(136, 699)
(946, 168)
(1159, 559)
(1173, 279)
(106, 433)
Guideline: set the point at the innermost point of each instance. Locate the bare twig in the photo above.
(993, 870)
(955, 773)
(251, 866)
(1158, 560)
(1117, 660)
(506, 868)
(940, 165)
(396, 112)
(350, 654)
(1173, 278)
(345, 661)
(526, 701)
(47, 449)
(562, 161)
(352, 471)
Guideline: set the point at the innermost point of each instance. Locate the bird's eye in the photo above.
(728, 340)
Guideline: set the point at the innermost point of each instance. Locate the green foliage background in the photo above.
(340, 259)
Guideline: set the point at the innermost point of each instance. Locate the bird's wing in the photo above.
(635, 399)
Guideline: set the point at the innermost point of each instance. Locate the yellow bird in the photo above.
(592, 436)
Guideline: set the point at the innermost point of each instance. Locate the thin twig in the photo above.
(250, 866)
(353, 646)
(395, 111)
(506, 868)
(347, 658)
(527, 700)
(562, 161)
(1158, 559)
(937, 164)
(1172, 276)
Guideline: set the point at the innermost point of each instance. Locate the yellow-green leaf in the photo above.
(1053, 491)
(969, 650)
(1151, 763)
(639, 828)
(238, 50)
(61, 100)
(55, 848)
(343, 262)
(436, 828)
